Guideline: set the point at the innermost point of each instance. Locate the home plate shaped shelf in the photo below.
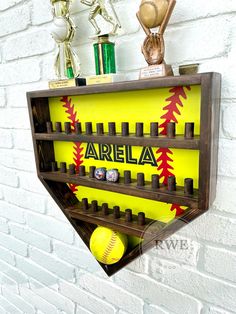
(160, 134)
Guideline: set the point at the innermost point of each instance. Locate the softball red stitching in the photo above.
(72, 116)
(164, 158)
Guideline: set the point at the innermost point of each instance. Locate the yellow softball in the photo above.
(108, 246)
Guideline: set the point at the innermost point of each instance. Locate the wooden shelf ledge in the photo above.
(159, 141)
(161, 194)
(148, 230)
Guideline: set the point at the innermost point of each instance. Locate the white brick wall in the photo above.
(44, 266)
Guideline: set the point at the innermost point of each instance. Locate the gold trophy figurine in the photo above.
(154, 14)
(63, 31)
(98, 7)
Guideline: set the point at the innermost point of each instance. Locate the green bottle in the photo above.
(104, 52)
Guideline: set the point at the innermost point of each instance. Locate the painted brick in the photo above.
(229, 118)
(105, 290)
(11, 212)
(11, 284)
(80, 310)
(54, 211)
(82, 259)
(215, 261)
(18, 301)
(200, 285)
(35, 271)
(13, 273)
(53, 264)
(61, 302)
(201, 9)
(22, 139)
(226, 187)
(41, 12)
(30, 182)
(37, 301)
(6, 255)
(11, 73)
(215, 310)
(21, 14)
(156, 293)
(227, 155)
(6, 140)
(31, 43)
(6, 4)
(214, 228)
(9, 177)
(153, 309)
(85, 299)
(51, 227)
(3, 225)
(9, 119)
(25, 199)
(20, 160)
(2, 97)
(31, 237)
(10, 308)
(13, 244)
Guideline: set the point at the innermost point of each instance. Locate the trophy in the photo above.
(63, 31)
(155, 14)
(104, 50)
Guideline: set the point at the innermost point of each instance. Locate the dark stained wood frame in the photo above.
(153, 231)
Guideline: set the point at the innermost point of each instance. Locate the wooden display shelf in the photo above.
(161, 194)
(159, 141)
(84, 222)
(118, 224)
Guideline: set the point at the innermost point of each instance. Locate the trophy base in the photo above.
(62, 83)
(154, 71)
(102, 79)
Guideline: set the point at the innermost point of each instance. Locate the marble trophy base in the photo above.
(154, 71)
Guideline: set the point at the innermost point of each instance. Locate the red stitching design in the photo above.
(164, 160)
(78, 149)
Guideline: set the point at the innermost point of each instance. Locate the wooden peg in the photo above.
(154, 131)
(140, 179)
(58, 127)
(85, 204)
(111, 128)
(171, 129)
(54, 166)
(155, 181)
(125, 128)
(128, 215)
(100, 129)
(188, 186)
(91, 171)
(105, 209)
(141, 219)
(171, 185)
(139, 129)
(127, 176)
(71, 169)
(94, 206)
(49, 126)
(82, 171)
(88, 128)
(67, 127)
(116, 212)
(189, 130)
(78, 128)
(63, 167)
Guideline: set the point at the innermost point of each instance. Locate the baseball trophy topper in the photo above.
(63, 31)
(104, 50)
(155, 14)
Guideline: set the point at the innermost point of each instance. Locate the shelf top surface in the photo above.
(169, 81)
